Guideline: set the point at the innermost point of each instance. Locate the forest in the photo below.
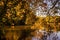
(21, 18)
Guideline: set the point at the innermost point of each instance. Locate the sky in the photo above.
(40, 11)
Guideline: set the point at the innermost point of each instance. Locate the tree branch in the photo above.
(52, 6)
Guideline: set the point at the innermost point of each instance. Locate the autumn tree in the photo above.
(16, 12)
(46, 8)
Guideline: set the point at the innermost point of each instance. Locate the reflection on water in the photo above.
(36, 35)
(10, 35)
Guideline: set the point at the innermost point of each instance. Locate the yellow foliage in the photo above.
(1, 3)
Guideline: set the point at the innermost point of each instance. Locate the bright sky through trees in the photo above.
(41, 10)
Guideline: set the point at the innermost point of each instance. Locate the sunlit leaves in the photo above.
(30, 18)
(19, 13)
(1, 3)
(47, 23)
(4, 19)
